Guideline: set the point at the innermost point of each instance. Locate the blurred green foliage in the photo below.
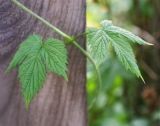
(119, 102)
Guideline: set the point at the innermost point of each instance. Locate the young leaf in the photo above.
(31, 44)
(55, 56)
(110, 28)
(97, 43)
(32, 74)
(91, 32)
(125, 54)
(120, 39)
(34, 59)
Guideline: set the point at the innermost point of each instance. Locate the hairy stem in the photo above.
(96, 70)
(48, 24)
(69, 38)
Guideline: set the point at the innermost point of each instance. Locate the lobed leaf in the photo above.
(30, 45)
(110, 28)
(99, 39)
(99, 45)
(32, 74)
(34, 59)
(55, 55)
(125, 54)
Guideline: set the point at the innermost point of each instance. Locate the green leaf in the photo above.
(31, 44)
(34, 59)
(55, 55)
(99, 40)
(125, 54)
(97, 43)
(32, 74)
(90, 34)
(110, 28)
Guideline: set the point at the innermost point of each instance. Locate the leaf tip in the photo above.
(27, 104)
(142, 79)
(65, 77)
(8, 70)
(147, 43)
(106, 23)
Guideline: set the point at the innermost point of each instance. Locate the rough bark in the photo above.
(59, 103)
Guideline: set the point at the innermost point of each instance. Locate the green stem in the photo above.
(96, 70)
(41, 19)
(48, 24)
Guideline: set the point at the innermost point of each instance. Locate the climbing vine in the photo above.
(36, 57)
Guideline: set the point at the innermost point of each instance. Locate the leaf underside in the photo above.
(98, 43)
(34, 59)
(99, 40)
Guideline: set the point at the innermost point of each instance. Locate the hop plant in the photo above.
(36, 57)
(120, 39)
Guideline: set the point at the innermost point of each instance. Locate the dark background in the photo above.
(125, 100)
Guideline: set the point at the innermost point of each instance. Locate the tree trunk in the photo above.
(59, 103)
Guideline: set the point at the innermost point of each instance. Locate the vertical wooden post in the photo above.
(59, 103)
